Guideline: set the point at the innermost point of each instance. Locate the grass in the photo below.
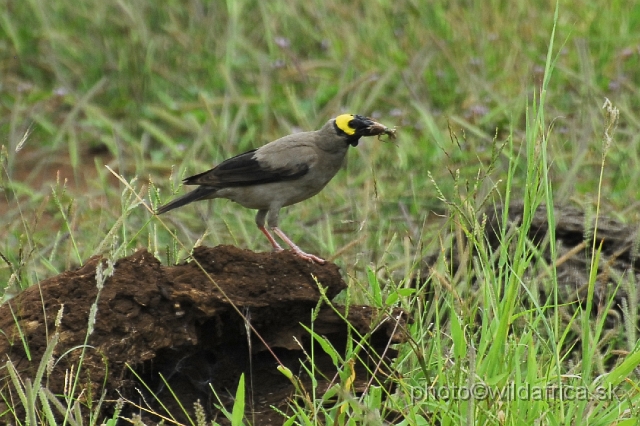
(490, 108)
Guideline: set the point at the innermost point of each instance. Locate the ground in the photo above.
(188, 323)
(178, 321)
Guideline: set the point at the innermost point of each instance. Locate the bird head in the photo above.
(352, 127)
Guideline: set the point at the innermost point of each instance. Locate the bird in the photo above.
(283, 172)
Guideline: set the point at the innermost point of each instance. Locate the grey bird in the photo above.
(281, 173)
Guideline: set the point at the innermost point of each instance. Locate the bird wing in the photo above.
(255, 168)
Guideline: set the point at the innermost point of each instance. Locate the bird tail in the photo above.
(200, 193)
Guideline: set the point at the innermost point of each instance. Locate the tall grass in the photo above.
(494, 103)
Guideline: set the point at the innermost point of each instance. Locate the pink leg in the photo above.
(296, 249)
(274, 243)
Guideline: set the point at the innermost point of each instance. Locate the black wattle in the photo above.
(353, 140)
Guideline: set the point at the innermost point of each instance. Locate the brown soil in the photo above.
(39, 168)
(177, 322)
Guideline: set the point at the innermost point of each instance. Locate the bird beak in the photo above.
(367, 127)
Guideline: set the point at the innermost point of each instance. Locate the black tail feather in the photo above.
(200, 193)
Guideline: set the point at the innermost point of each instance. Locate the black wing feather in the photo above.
(245, 170)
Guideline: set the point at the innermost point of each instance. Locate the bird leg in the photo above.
(296, 249)
(260, 219)
(274, 243)
(273, 224)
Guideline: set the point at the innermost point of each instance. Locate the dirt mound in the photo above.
(176, 321)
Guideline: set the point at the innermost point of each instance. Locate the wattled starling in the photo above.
(281, 173)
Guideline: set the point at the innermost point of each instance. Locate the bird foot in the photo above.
(306, 256)
(309, 257)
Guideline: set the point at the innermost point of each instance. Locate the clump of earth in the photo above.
(190, 324)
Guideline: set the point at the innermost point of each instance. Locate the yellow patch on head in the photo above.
(342, 121)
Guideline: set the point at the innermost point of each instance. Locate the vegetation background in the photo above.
(161, 90)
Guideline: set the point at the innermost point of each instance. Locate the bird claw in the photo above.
(309, 257)
(306, 256)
